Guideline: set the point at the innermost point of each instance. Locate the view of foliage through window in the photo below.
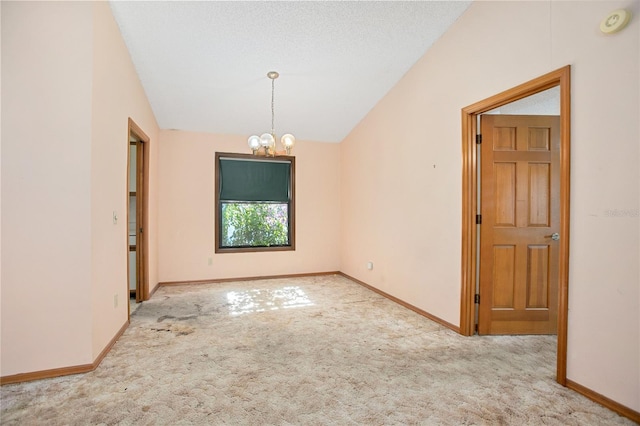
(254, 224)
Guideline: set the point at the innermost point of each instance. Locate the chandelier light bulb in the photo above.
(254, 142)
(267, 140)
(288, 141)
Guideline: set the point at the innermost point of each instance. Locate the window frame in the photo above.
(218, 204)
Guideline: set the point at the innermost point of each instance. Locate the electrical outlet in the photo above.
(115, 300)
(370, 265)
(115, 217)
(210, 261)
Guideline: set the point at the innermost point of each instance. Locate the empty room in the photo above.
(319, 212)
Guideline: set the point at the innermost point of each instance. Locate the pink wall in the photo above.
(46, 185)
(0, 191)
(401, 173)
(64, 170)
(117, 95)
(186, 208)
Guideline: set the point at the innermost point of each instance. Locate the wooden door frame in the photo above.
(142, 210)
(561, 78)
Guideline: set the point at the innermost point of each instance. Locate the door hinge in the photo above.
(476, 299)
(478, 219)
(141, 230)
(478, 139)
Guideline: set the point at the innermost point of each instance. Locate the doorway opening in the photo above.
(137, 213)
(470, 209)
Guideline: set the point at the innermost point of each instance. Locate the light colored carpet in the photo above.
(317, 350)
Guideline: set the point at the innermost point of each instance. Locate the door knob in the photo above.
(555, 236)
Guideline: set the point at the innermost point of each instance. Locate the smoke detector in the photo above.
(615, 21)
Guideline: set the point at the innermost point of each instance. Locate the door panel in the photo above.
(540, 193)
(539, 139)
(538, 277)
(520, 210)
(505, 194)
(504, 276)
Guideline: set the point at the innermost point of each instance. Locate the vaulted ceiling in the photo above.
(203, 65)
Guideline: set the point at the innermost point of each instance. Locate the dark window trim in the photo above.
(218, 206)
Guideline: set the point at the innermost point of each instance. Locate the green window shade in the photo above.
(254, 180)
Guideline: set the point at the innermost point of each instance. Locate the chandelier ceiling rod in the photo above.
(273, 75)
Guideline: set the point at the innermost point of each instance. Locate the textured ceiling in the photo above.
(541, 103)
(203, 65)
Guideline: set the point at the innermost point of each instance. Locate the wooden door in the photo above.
(520, 212)
(140, 208)
(138, 167)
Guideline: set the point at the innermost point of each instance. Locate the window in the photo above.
(255, 209)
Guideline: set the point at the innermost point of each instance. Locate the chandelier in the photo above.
(265, 144)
